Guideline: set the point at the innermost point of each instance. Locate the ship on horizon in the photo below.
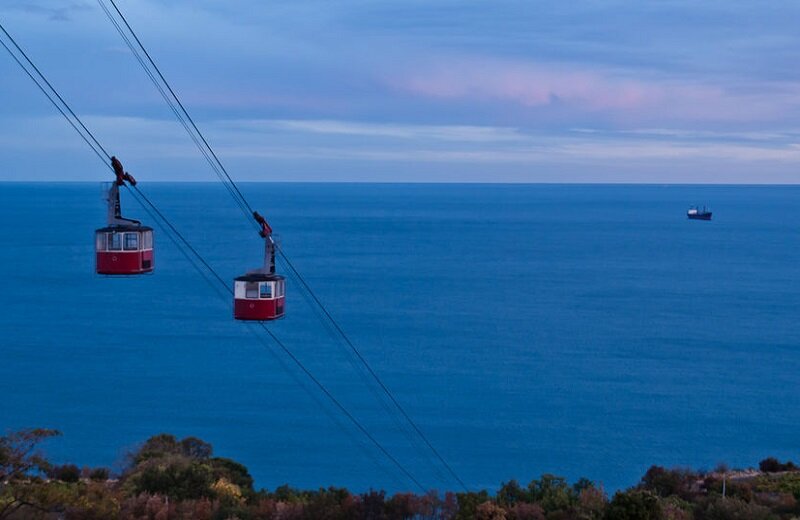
(695, 213)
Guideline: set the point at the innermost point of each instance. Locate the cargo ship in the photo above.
(695, 213)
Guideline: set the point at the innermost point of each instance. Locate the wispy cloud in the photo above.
(613, 92)
(49, 10)
(348, 143)
(463, 133)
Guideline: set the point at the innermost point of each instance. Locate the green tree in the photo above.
(511, 493)
(173, 475)
(232, 471)
(468, 503)
(552, 493)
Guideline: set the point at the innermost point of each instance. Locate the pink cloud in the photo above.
(533, 85)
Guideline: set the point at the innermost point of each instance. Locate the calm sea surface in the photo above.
(576, 330)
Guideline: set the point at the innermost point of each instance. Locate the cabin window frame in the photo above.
(110, 236)
(128, 235)
(266, 295)
(146, 241)
(251, 290)
(100, 242)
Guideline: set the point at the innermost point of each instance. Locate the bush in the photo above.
(773, 465)
(176, 478)
(99, 474)
(736, 509)
(634, 505)
(65, 473)
(668, 482)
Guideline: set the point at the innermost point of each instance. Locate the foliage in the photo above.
(735, 509)
(669, 482)
(552, 493)
(65, 473)
(773, 465)
(98, 474)
(634, 504)
(181, 479)
(18, 456)
(21, 464)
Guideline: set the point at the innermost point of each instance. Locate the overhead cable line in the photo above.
(152, 209)
(203, 150)
(248, 211)
(216, 164)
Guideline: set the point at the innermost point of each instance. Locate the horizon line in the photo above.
(477, 183)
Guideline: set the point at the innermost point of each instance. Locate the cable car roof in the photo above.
(132, 227)
(259, 277)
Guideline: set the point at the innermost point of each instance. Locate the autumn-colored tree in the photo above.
(490, 511)
(525, 511)
(21, 465)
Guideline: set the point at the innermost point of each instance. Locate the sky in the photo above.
(663, 91)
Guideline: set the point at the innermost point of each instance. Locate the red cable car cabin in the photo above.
(125, 246)
(124, 250)
(260, 295)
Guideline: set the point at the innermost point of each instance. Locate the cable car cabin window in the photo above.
(266, 290)
(114, 241)
(100, 241)
(251, 290)
(279, 288)
(147, 240)
(131, 241)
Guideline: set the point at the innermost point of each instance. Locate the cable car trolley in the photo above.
(124, 246)
(259, 295)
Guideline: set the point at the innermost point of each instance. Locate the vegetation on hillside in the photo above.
(167, 478)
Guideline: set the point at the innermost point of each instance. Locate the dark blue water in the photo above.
(578, 330)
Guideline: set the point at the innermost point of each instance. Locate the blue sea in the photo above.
(580, 330)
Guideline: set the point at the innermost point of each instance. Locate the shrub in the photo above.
(634, 505)
(65, 473)
(773, 465)
(668, 482)
(736, 509)
(176, 477)
(99, 474)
